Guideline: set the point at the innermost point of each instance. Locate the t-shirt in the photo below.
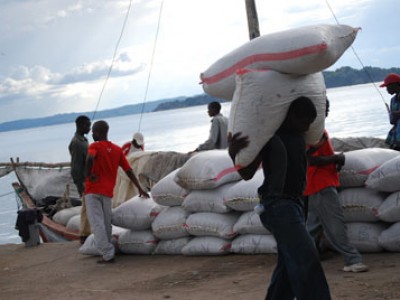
(320, 177)
(217, 138)
(107, 158)
(284, 165)
(78, 149)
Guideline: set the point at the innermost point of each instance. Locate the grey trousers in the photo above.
(326, 213)
(98, 209)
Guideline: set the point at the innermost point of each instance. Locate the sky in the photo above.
(55, 55)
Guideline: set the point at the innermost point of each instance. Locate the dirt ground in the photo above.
(57, 271)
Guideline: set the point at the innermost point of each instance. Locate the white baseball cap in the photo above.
(138, 137)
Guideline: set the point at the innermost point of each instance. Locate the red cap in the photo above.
(391, 78)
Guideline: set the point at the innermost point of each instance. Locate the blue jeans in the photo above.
(325, 209)
(298, 272)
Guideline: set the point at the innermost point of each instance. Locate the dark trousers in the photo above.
(298, 272)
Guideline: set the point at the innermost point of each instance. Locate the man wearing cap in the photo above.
(392, 84)
(137, 144)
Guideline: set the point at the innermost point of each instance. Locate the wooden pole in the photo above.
(252, 19)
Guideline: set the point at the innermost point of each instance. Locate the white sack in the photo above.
(170, 223)
(207, 200)
(303, 50)
(207, 170)
(360, 204)
(207, 245)
(74, 223)
(171, 247)
(167, 192)
(137, 242)
(63, 216)
(243, 196)
(260, 104)
(386, 178)
(389, 210)
(360, 163)
(212, 224)
(364, 236)
(254, 244)
(250, 223)
(89, 246)
(137, 213)
(389, 239)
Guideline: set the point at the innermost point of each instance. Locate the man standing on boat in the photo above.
(219, 128)
(102, 162)
(78, 149)
(392, 84)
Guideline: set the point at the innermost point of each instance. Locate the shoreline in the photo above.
(57, 271)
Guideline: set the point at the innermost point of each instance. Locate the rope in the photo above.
(151, 65)
(6, 194)
(113, 58)
(361, 63)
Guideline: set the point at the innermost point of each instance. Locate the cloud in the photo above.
(123, 66)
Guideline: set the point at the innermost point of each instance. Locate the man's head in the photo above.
(138, 140)
(300, 115)
(214, 108)
(100, 131)
(82, 124)
(392, 83)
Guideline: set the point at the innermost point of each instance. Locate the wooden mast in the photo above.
(252, 19)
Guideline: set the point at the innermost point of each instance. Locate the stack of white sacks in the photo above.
(205, 208)
(369, 194)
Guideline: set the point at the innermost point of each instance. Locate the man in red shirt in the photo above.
(324, 207)
(136, 144)
(102, 162)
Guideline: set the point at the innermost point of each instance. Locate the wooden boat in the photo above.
(48, 187)
(30, 178)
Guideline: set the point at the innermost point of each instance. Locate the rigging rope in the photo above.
(113, 58)
(151, 64)
(6, 194)
(361, 63)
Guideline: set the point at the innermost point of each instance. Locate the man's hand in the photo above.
(143, 194)
(340, 160)
(236, 143)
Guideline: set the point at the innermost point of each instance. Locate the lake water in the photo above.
(355, 111)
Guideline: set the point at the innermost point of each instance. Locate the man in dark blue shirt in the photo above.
(298, 273)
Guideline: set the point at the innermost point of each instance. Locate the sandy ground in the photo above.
(57, 271)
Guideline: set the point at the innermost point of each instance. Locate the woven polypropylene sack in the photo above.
(261, 102)
(303, 50)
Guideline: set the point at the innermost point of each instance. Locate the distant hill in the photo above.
(348, 76)
(158, 105)
(344, 76)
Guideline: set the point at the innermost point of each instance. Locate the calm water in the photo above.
(355, 111)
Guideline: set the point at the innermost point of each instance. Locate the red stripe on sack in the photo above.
(225, 172)
(264, 57)
(369, 171)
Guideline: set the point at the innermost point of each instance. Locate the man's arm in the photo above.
(236, 143)
(319, 160)
(134, 180)
(337, 159)
(88, 168)
(210, 143)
